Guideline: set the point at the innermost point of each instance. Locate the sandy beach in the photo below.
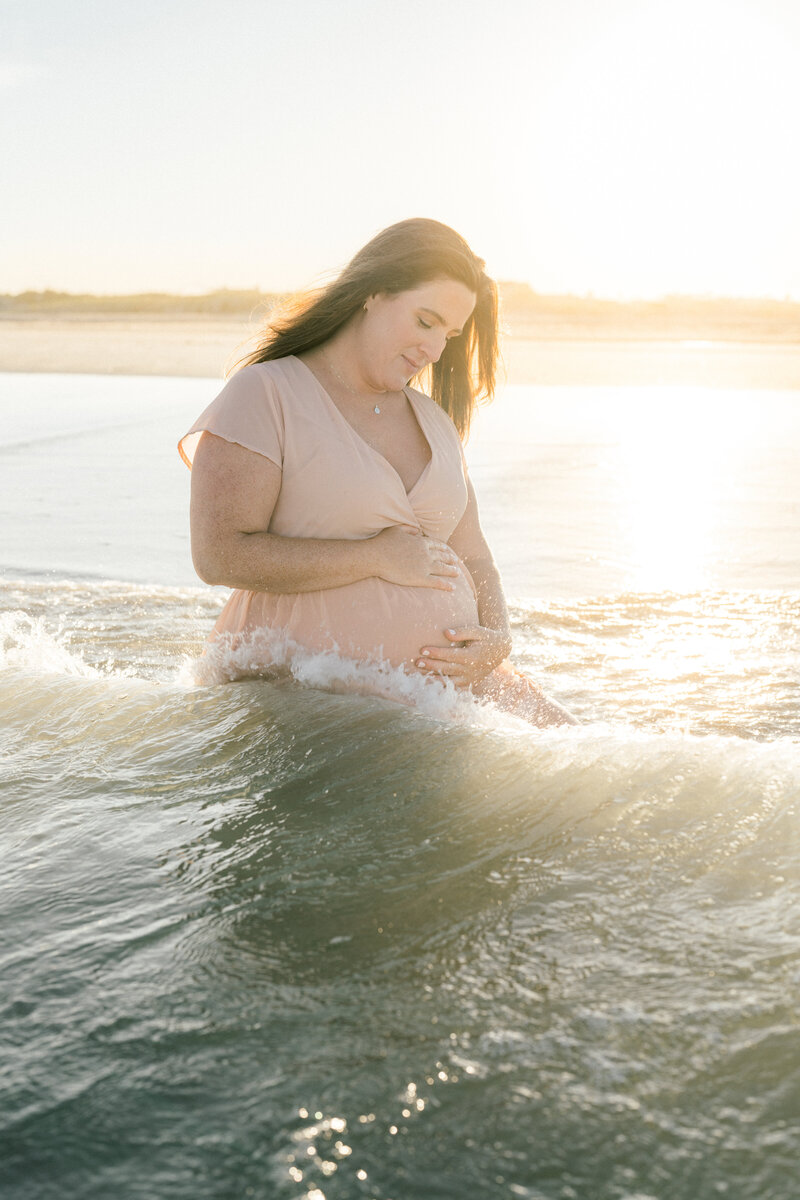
(208, 347)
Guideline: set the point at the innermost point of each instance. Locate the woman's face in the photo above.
(404, 331)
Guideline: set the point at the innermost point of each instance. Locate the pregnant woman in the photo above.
(334, 497)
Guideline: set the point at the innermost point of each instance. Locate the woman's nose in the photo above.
(434, 344)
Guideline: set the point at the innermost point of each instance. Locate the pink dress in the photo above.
(335, 485)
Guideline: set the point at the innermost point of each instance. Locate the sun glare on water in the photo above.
(680, 450)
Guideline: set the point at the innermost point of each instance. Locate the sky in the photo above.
(618, 148)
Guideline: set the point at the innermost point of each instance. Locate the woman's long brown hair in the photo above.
(403, 257)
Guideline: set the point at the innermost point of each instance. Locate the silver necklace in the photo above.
(343, 383)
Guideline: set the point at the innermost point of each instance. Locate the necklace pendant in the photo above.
(377, 410)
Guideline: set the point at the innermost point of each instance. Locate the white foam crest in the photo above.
(270, 654)
(27, 645)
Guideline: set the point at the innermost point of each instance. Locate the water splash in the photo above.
(236, 657)
(27, 646)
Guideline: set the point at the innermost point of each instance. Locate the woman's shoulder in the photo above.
(278, 380)
(274, 371)
(249, 411)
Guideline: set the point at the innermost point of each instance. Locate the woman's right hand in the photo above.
(406, 556)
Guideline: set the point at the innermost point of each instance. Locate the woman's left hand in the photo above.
(473, 653)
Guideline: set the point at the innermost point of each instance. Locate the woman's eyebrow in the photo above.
(432, 313)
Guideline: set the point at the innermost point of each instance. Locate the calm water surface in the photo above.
(265, 940)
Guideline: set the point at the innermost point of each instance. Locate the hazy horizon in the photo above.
(503, 285)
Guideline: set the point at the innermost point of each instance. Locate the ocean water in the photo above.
(267, 939)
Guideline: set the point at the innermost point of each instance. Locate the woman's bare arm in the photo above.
(470, 545)
(234, 492)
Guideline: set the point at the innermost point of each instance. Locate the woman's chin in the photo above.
(408, 371)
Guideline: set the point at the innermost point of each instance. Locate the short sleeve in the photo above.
(247, 411)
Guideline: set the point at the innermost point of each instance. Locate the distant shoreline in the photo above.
(527, 313)
(552, 353)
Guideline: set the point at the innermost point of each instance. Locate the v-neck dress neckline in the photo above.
(363, 441)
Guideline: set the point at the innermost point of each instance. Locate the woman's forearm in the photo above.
(492, 609)
(266, 562)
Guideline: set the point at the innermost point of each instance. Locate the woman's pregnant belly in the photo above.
(365, 621)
